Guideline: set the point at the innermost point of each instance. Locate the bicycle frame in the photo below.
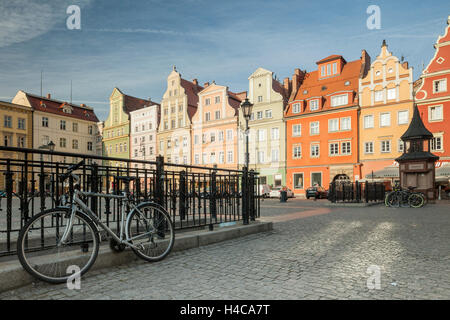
(78, 205)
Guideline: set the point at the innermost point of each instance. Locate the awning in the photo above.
(388, 172)
(443, 171)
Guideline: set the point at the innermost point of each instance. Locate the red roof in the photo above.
(191, 90)
(132, 103)
(330, 58)
(56, 107)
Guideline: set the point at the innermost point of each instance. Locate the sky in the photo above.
(133, 45)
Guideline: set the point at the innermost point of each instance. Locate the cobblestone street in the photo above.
(313, 252)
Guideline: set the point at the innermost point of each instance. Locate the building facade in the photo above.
(178, 106)
(72, 128)
(17, 131)
(433, 97)
(116, 130)
(215, 128)
(322, 124)
(144, 127)
(386, 101)
(267, 134)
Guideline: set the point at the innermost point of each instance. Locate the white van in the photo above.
(264, 190)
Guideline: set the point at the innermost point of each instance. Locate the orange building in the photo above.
(322, 124)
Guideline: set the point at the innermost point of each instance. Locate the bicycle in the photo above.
(404, 198)
(58, 238)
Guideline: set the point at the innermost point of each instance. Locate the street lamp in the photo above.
(247, 111)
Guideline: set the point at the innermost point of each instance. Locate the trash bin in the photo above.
(283, 196)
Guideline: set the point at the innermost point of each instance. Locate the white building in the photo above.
(143, 127)
(72, 128)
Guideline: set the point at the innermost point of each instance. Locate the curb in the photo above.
(357, 205)
(13, 276)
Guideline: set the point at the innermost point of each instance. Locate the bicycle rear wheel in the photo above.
(41, 254)
(150, 227)
(416, 200)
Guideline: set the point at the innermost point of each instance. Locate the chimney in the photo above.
(49, 96)
(365, 63)
(206, 84)
(297, 71)
(194, 81)
(287, 85)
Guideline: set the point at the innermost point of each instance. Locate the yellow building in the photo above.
(16, 129)
(386, 101)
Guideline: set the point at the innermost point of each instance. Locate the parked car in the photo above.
(264, 190)
(275, 192)
(316, 192)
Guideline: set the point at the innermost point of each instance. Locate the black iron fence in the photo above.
(356, 192)
(194, 196)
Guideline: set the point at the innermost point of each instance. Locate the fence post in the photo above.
(252, 195)
(245, 198)
(358, 191)
(9, 192)
(94, 187)
(42, 176)
(212, 196)
(366, 191)
(159, 181)
(182, 197)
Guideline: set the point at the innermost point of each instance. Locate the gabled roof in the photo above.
(56, 107)
(330, 58)
(132, 103)
(191, 89)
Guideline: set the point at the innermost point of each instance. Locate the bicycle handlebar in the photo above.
(71, 169)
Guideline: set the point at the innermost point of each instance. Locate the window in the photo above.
(212, 157)
(346, 123)
(21, 142)
(161, 145)
(259, 115)
(220, 135)
(45, 122)
(328, 69)
(74, 144)
(316, 178)
(269, 113)
(346, 148)
(8, 122)
(185, 143)
(21, 123)
(385, 146)
(435, 113)
(296, 108)
(176, 143)
(8, 141)
(196, 159)
(207, 116)
(275, 133)
(204, 138)
(204, 158)
(296, 130)
(298, 180)
(322, 71)
(368, 122)
(217, 99)
(334, 67)
(169, 144)
(314, 104)
(436, 143)
(260, 156)
(333, 125)
(378, 95)
(368, 147)
(402, 117)
(314, 127)
(217, 115)
(439, 86)
(196, 139)
(172, 124)
(314, 150)
(207, 101)
(91, 130)
(334, 149)
(297, 151)
(45, 140)
(340, 100)
(135, 152)
(166, 111)
(151, 150)
(229, 134)
(63, 143)
(385, 119)
(261, 134)
(213, 137)
(392, 93)
(230, 157)
(260, 98)
(62, 125)
(400, 146)
(75, 127)
(89, 146)
(221, 157)
(275, 155)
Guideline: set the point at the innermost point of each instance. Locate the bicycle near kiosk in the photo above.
(399, 197)
(55, 239)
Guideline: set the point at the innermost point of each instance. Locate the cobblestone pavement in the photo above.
(314, 252)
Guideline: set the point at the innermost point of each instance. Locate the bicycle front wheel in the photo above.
(150, 228)
(416, 200)
(44, 257)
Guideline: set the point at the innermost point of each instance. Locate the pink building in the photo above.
(214, 127)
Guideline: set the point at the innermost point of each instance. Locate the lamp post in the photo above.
(247, 111)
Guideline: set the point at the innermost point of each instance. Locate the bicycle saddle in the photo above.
(412, 188)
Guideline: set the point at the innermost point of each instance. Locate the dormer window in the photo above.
(314, 104)
(340, 100)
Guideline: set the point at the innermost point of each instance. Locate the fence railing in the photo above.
(194, 196)
(356, 192)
